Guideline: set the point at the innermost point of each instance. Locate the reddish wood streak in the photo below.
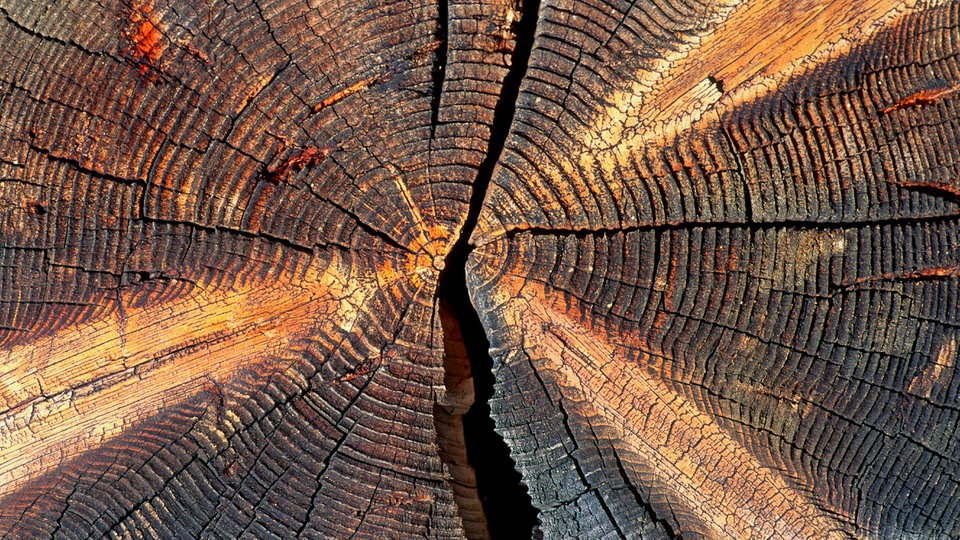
(950, 189)
(346, 92)
(308, 157)
(147, 42)
(145, 37)
(922, 98)
(935, 273)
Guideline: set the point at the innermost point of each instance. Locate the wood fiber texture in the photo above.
(715, 248)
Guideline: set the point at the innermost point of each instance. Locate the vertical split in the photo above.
(507, 508)
(439, 64)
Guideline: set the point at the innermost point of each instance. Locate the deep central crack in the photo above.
(507, 507)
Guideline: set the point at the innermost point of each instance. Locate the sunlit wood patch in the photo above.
(86, 384)
(693, 460)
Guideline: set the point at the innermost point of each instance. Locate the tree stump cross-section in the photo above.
(474, 269)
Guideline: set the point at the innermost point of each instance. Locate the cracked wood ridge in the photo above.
(715, 248)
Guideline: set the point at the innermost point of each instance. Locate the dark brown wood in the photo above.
(715, 248)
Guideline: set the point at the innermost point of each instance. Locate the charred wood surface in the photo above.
(253, 255)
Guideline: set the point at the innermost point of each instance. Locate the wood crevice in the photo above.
(693, 224)
(507, 506)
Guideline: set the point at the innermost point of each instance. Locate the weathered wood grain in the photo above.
(223, 225)
(715, 247)
(718, 267)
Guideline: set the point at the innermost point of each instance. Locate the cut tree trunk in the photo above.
(715, 249)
